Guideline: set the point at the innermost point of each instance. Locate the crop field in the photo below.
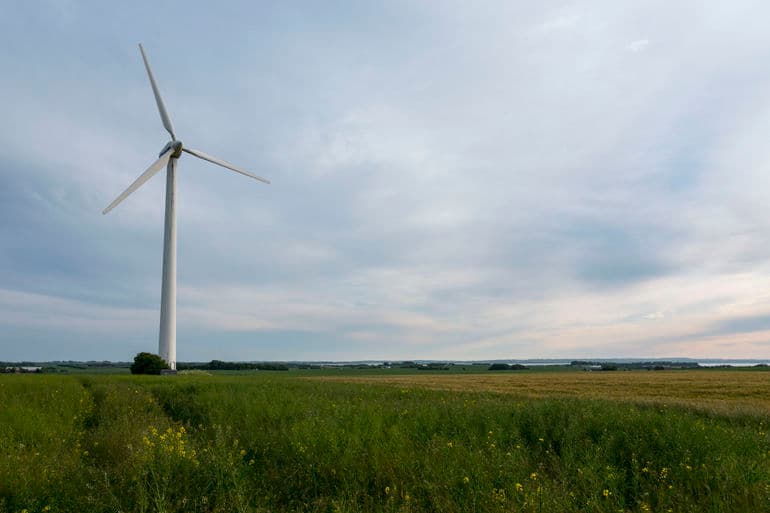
(736, 391)
(671, 441)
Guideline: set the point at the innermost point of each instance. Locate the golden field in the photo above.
(720, 391)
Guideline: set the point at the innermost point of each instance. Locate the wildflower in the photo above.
(251, 462)
(541, 440)
(387, 490)
(519, 488)
(243, 452)
(606, 493)
(533, 476)
(498, 495)
(466, 480)
(449, 444)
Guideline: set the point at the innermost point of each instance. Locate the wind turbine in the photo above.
(169, 156)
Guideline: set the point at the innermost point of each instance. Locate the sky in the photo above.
(450, 180)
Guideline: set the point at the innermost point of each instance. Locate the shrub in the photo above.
(148, 363)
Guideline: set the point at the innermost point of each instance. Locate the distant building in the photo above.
(22, 370)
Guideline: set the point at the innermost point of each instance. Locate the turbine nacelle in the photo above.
(175, 147)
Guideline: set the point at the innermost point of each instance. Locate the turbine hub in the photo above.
(176, 146)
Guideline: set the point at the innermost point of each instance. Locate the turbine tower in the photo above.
(169, 156)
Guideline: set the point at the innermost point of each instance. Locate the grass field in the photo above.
(679, 441)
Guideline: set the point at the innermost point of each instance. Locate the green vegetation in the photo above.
(654, 365)
(148, 363)
(505, 366)
(269, 441)
(220, 365)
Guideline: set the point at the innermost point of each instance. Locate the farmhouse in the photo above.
(21, 370)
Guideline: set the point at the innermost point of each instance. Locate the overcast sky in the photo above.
(451, 180)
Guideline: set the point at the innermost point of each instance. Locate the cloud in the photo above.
(565, 21)
(637, 46)
(744, 324)
(496, 180)
(21, 309)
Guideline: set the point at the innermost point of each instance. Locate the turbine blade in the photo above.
(164, 117)
(223, 163)
(154, 168)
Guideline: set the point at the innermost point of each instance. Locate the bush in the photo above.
(148, 363)
(505, 366)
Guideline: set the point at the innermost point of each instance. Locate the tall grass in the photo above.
(263, 443)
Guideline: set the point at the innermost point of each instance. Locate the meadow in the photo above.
(671, 441)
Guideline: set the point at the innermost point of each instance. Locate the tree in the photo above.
(148, 363)
(505, 366)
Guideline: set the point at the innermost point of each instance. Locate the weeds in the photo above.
(265, 443)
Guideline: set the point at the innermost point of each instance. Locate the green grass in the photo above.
(270, 442)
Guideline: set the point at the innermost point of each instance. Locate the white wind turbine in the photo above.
(168, 157)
